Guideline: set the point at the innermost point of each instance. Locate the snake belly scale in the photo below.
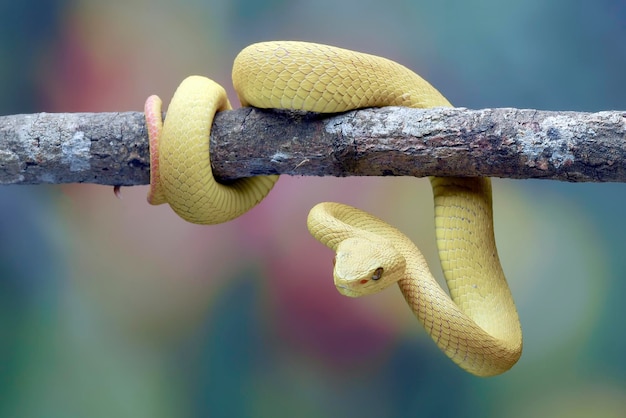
(477, 325)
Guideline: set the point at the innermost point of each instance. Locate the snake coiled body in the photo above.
(477, 326)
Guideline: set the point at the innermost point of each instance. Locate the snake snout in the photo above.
(361, 266)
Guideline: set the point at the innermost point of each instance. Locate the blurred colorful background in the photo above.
(112, 307)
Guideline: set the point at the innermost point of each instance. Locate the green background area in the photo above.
(115, 308)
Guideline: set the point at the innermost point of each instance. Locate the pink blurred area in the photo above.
(147, 265)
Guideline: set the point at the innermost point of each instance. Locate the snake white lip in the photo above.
(346, 291)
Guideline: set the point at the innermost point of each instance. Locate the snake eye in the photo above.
(378, 273)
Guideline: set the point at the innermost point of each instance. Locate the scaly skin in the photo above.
(478, 326)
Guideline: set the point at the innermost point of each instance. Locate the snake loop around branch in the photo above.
(477, 326)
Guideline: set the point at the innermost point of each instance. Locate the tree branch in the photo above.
(112, 148)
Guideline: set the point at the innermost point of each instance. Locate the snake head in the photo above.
(364, 266)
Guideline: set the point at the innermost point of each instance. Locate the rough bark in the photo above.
(112, 148)
(102, 148)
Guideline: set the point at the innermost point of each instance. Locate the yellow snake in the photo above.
(477, 326)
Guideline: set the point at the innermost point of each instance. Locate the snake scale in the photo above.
(477, 325)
